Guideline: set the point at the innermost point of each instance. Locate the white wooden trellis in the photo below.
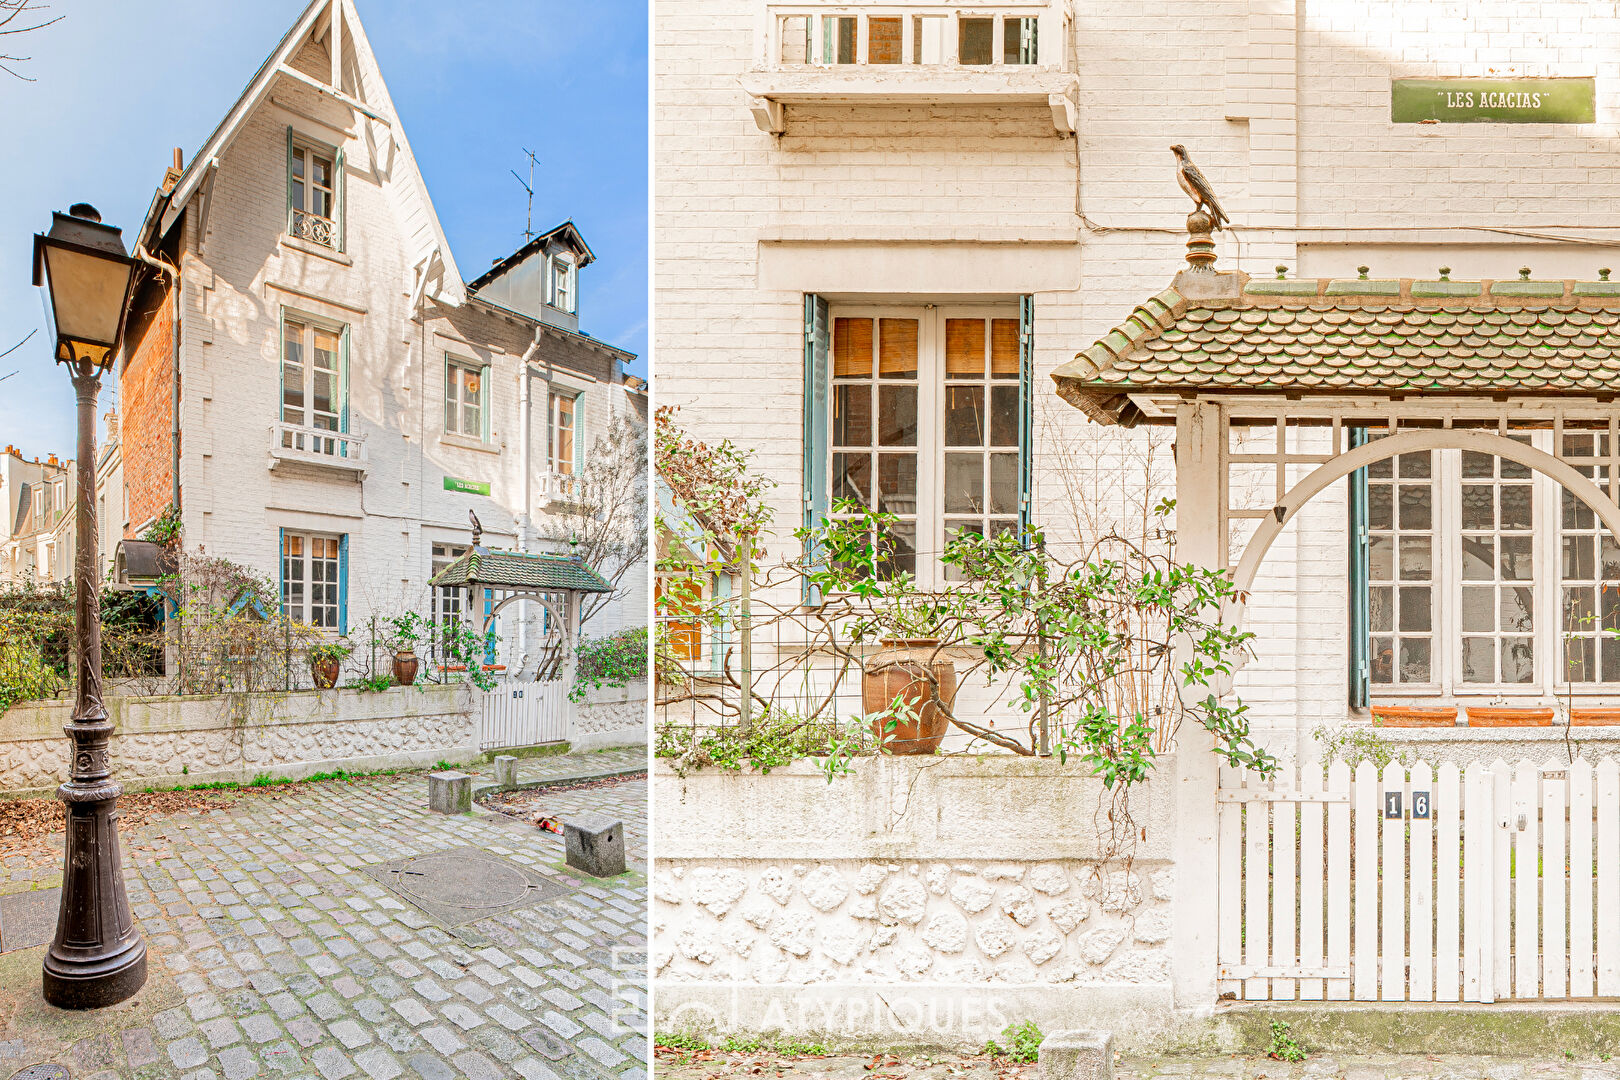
(523, 714)
(1492, 883)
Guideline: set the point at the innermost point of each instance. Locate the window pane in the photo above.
(852, 415)
(1478, 558)
(897, 348)
(964, 416)
(1018, 44)
(1475, 464)
(964, 347)
(978, 40)
(964, 484)
(1004, 483)
(897, 483)
(1383, 660)
(928, 39)
(838, 39)
(1580, 659)
(1478, 609)
(1577, 515)
(1518, 609)
(883, 40)
(1382, 608)
(1518, 660)
(1479, 660)
(1516, 564)
(852, 348)
(1580, 609)
(470, 424)
(1415, 609)
(1419, 466)
(1416, 558)
(1609, 558)
(852, 477)
(1380, 504)
(1580, 559)
(1004, 348)
(1478, 506)
(1415, 660)
(1516, 503)
(1004, 416)
(897, 415)
(1609, 650)
(1417, 510)
(795, 39)
(1381, 558)
(902, 540)
(1382, 469)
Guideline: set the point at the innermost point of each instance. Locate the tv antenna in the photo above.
(528, 216)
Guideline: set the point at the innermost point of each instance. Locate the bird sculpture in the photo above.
(478, 528)
(1197, 188)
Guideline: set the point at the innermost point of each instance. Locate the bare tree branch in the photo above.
(10, 12)
(19, 345)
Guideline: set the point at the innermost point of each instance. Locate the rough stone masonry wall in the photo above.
(929, 899)
(236, 737)
(611, 716)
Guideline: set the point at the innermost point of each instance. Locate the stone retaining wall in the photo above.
(932, 900)
(196, 739)
(611, 716)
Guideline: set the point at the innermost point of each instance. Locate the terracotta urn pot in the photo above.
(405, 666)
(325, 671)
(1496, 716)
(1403, 716)
(1593, 716)
(907, 668)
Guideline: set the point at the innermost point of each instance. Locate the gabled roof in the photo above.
(1211, 333)
(566, 232)
(372, 100)
(497, 569)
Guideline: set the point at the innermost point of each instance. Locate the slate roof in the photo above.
(497, 569)
(1237, 334)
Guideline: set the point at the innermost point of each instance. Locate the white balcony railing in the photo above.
(317, 446)
(900, 50)
(313, 228)
(556, 490)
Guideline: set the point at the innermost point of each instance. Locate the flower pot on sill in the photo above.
(1404, 716)
(1499, 716)
(908, 669)
(1593, 716)
(405, 667)
(325, 672)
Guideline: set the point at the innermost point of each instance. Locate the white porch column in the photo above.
(1200, 487)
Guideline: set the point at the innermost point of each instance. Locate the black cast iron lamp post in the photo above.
(97, 957)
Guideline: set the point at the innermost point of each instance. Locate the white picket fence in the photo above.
(1429, 884)
(523, 714)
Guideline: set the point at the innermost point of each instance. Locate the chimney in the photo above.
(172, 176)
(49, 461)
(111, 419)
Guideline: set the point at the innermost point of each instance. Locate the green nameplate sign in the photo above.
(1493, 101)
(471, 487)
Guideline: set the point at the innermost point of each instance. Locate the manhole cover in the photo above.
(47, 1071)
(464, 885)
(27, 920)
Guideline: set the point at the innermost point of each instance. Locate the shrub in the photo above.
(616, 660)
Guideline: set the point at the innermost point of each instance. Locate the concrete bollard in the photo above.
(1077, 1055)
(506, 770)
(595, 844)
(449, 793)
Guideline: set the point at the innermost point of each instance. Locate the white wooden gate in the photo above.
(1429, 884)
(523, 714)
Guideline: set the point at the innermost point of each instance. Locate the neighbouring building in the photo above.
(311, 380)
(36, 501)
(881, 231)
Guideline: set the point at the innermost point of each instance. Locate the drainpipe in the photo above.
(165, 267)
(523, 519)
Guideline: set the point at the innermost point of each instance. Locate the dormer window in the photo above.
(562, 283)
(314, 193)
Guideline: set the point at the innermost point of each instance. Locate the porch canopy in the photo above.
(556, 582)
(1280, 387)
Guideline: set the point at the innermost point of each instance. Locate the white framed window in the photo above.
(925, 413)
(562, 283)
(58, 499)
(967, 39)
(448, 601)
(562, 422)
(314, 192)
(1487, 579)
(312, 383)
(465, 398)
(312, 579)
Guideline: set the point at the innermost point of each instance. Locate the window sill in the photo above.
(462, 442)
(318, 250)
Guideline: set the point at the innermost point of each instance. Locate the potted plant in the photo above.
(326, 662)
(908, 685)
(404, 632)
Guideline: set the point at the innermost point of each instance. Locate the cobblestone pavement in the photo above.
(681, 1065)
(567, 766)
(273, 953)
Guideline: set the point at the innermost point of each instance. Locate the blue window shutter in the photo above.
(343, 584)
(817, 427)
(489, 608)
(1360, 597)
(1026, 416)
(483, 401)
(343, 381)
(281, 569)
(340, 209)
(281, 365)
(579, 435)
(288, 222)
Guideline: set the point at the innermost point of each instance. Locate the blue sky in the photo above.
(122, 82)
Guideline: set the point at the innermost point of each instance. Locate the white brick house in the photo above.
(928, 163)
(342, 396)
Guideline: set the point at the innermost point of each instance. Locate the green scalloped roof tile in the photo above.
(1445, 288)
(1363, 287)
(1597, 288)
(1527, 288)
(1281, 287)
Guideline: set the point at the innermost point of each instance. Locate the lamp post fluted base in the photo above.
(97, 957)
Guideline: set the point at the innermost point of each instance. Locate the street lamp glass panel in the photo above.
(87, 291)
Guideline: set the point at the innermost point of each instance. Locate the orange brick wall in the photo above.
(147, 397)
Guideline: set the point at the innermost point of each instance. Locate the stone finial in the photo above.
(1445, 273)
(1603, 274)
(1200, 246)
(1524, 273)
(1282, 271)
(1362, 271)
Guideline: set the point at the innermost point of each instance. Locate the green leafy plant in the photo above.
(1283, 1045)
(616, 660)
(327, 651)
(680, 1040)
(465, 649)
(443, 766)
(165, 529)
(404, 632)
(1353, 745)
(1023, 1043)
(371, 684)
(775, 740)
